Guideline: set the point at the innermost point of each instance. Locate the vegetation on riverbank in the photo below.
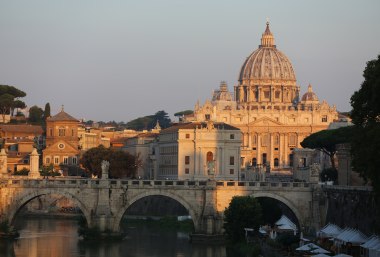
(7, 231)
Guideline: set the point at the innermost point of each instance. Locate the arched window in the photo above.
(276, 139)
(265, 140)
(276, 163)
(61, 132)
(254, 162)
(210, 156)
(254, 140)
(264, 158)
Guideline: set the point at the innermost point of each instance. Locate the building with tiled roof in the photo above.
(198, 151)
(62, 141)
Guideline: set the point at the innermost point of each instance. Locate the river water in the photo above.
(40, 237)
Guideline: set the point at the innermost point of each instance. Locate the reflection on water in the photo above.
(58, 238)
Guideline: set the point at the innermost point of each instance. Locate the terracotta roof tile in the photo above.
(62, 116)
(22, 128)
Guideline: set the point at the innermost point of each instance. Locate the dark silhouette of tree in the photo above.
(122, 164)
(10, 100)
(326, 141)
(365, 115)
(243, 212)
(47, 111)
(36, 115)
(150, 121)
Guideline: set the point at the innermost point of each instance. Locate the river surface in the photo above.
(41, 237)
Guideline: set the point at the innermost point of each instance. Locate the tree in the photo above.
(150, 121)
(10, 99)
(326, 141)
(47, 111)
(365, 115)
(270, 210)
(122, 164)
(36, 115)
(243, 212)
(183, 113)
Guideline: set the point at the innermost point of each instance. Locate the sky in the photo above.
(119, 60)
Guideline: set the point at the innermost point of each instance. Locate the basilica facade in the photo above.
(267, 108)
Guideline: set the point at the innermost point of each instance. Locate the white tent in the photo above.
(342, 255)
(284, 223)
(372, 247)
(330, 230)
(349, 235)
(312, 248)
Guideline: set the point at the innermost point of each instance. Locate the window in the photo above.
(74, 160)
(187, 171)
(292, 140)
(47, 160)
(277, 94)
(61, 132)
(187, 159)
(65, 160)
(232, 171)
(266, 94)
(276, 139)
(207, 116)
(232, 160)
(72, 132)
(264, 158)
(290, 159)
(232, 136)
(276, 162)
(210, 156)
(254, 162)
(187, 135)
(254, 140)
(56, 160)
(51, 132)
(265, 140)
(324, 118)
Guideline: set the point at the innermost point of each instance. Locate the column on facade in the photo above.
(249, 140)
(219, 163)
(286, 155)
(258, 149)
(270, 152)
(199, 161)
(258, 94)
(281, 149)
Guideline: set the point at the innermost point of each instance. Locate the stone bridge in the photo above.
(104, 201)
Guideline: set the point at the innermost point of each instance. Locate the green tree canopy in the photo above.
(182, 113)
(326, 141)
(10, 99)
(150, 121)
(243, 212)
(122, 164)
(365, 115)
(36, 115)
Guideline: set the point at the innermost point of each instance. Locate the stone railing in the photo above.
(124, 183)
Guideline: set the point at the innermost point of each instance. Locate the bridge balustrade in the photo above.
(120, 183)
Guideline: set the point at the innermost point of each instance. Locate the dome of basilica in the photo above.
(309, 96)
(267, 63)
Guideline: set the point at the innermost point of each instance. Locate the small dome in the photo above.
(267, 62)
(309, 96)
(222, 94)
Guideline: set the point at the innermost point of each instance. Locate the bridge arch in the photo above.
(285, 201)
(23, 199)
(189, 207)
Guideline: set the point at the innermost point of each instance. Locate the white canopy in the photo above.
(352, 236)
(285, 223)
(330, 230)
(312, 248)
(342, 255)
(373, 242)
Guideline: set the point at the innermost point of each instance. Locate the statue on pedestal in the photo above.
(105, 167)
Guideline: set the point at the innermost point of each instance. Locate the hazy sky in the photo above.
(118, 60)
